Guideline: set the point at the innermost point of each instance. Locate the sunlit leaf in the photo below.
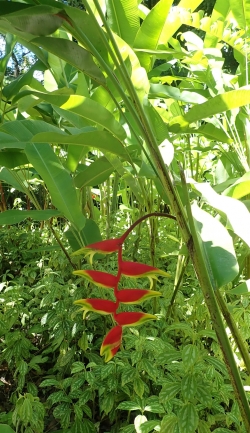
(58, 181)
(217, 248)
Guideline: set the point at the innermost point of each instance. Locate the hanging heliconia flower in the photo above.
(113, 339)
(111, 343)
(101, 279)
(101, 306)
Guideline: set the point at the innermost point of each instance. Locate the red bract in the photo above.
(111, 343)
(135, 296)
(133, 319)
(103, 247)
(102, 279)
(101, 306)
(134, 269)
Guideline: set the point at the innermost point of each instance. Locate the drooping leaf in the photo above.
(7, 176)
(240, 188)
(241, 12)
(95, 173)
(83, 106)
(10, 42)
(21, 131)
(15, 216)
(233, 211)
(217, 247)
(58, 181)
(72, 54)
(162, 91)
(89, 234)
(156, 122)
(101, 140)
(37, 24)
(241, 289)
(218, 104)
(12, 158)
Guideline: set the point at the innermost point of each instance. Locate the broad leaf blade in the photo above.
(72, 54)
(240, 188)
(233, 211)
(149, 34)
(217, 247)
(12, 158)
(82, 106)
(58, 181)
(218, 104)
(123, 18)
(95, 173)
(15, 216)
(101, 140)
(241, 12)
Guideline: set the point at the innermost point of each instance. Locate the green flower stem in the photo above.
(144, 217)
(234, 330)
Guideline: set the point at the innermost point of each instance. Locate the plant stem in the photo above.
(234, 330)
(62, 246)
(183, 265)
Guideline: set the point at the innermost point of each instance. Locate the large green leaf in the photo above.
(95, 173)
(241, 289)
(84, 30)
(218, 21)
(10, 42)
(174, 21)
(58, 181)
(149, 34)
(240, 188)
(156, 122)
(12, 158)
(14, 87)
(218, 104)
(217, 247)
(88, 235)
(34, 20)
(233, 211)
(15, 216)
(169, 423)
(241, 12)
(4, 428)
(72, 54)
(162, 91)
(83, 106)
(12, 179)
(123, 18)
(101, 140)
(23, 131)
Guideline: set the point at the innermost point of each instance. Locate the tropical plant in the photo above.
(130, 108)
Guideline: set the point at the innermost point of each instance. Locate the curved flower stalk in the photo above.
(113, 339)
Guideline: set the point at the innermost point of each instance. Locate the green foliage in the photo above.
(130, 115)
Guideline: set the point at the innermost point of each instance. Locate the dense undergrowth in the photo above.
(168, 375)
